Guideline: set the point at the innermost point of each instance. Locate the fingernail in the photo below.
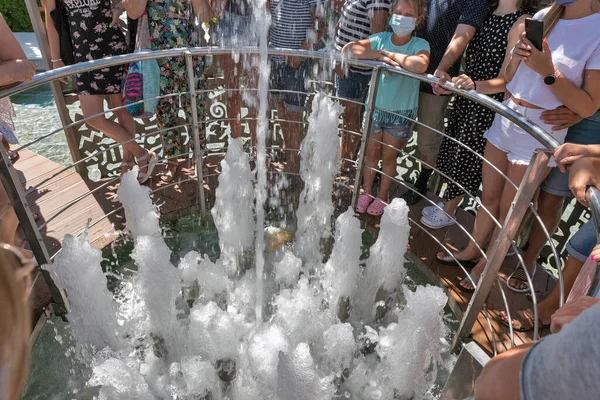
(592, 257)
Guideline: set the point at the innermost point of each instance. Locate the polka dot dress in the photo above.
(469, 120)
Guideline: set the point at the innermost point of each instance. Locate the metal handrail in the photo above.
(539, 134)
(549, 142)
(593, 198)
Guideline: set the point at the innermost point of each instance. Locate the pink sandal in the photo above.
(376, 208)
(363, 203)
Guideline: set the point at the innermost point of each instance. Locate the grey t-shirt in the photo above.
(566, 365)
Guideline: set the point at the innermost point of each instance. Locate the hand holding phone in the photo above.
(534, 31)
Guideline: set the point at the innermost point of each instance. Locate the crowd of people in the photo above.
(556, 86)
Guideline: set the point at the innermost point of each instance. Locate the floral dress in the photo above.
(94, 39)
(171, 25)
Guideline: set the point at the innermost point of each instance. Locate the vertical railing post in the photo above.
(16, 196)
(55, 86)
(198, 151)
(531, 181)
(365, 134)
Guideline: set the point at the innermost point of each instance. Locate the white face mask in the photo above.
(402, 25)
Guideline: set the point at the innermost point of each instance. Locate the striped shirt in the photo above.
(290, 21)
(355, 23)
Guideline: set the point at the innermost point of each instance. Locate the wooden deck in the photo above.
(49, 200)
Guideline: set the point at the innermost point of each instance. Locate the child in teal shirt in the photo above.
(397, 97)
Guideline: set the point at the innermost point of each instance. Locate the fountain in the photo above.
(291, 326)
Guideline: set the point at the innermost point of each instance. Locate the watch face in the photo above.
(549, 80)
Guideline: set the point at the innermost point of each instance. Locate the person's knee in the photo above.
(98, 123)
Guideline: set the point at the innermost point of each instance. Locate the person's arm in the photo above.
(568, 153)
(498, 84)
(462, 36)
(584, 101)
(583, 173)
(14, 66)
(202, 9)
(417, 63)
(53, 39)
(572, 309)
(134, 8)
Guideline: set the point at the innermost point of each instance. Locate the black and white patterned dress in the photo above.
(93, 39)
(470, 120)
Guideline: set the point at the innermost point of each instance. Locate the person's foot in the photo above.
(412, 197)
(517, 281)
(524, 320)
(437, 220)
(376, 208)
(468, 283)
(170, 171)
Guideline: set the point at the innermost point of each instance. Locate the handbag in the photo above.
(143, 77)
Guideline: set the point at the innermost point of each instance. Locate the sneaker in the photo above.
(437, 220)
(431, 209)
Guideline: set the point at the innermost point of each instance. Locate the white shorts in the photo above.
(513, 140)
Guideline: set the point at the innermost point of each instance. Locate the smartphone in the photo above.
(534, 31)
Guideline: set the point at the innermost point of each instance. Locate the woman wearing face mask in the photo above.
(566, 72)
(397, 96)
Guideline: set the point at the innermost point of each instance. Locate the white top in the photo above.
(575, 46)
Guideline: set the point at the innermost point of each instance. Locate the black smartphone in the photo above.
(534, 30)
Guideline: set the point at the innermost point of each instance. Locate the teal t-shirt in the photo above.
(395, 92)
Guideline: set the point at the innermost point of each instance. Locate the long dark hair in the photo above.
(528, 6)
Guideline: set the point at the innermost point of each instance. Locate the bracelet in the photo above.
(55, 61)
(474, 85)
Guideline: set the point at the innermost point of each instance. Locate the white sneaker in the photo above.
(431, 209)
(437, 220)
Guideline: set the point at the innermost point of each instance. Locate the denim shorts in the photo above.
(286, 77)
(398, 130)
(585, 132)
(354, 87)
(236, 30)
(583, 242)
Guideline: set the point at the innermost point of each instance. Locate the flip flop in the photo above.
(376, 208)
(466, 281)
(169, 176)
(451, 261)
(525, 323)
(519, 274)
(363, 203)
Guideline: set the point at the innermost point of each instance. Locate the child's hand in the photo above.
(463, 82)
(388, 57)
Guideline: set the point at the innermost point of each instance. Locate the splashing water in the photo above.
(319, 162)
(233, 212)
(263, 21)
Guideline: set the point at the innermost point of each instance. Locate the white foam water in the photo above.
(77, 269)
(318, 167)
(233, 212)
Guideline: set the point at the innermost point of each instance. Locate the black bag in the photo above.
(61, 23)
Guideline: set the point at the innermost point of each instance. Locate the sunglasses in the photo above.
(26, 267)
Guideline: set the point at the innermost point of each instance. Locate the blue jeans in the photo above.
(585, 132)
(354, 87)
(583, 242)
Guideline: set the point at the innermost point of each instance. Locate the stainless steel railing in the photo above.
(509, 229)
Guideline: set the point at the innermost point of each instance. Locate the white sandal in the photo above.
(151, 159)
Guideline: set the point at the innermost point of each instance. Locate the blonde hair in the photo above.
(420, 7)
(15, 327)
(556, 12)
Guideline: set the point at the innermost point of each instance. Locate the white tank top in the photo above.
(575, 46)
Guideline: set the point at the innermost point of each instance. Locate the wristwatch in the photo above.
(550, 79)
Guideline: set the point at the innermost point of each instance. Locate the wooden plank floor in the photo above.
(65, 205)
